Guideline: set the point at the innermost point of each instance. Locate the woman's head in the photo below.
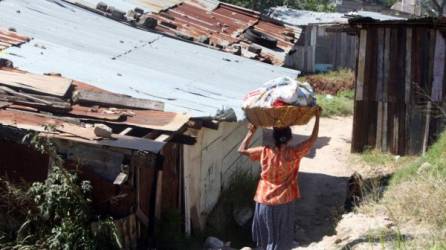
(282, 136)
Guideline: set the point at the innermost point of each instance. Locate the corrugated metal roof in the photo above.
(88, 47)
(150, 119)
(305, 17)
(373, 15)
(125, 5)
(207, 4)
(225, 26)
(421, 21)
(38, 122)
(215, 24)
(10, 38)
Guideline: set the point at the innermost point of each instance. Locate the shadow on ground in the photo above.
(320, 207)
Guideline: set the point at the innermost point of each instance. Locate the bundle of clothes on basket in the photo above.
(279, 92)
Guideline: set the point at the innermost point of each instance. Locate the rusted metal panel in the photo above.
(11, 38)
(222, 27)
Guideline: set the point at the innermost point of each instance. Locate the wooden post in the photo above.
(408, 87)
(426, 128)
(380, 90)
(439, 67)
(159, 193)
(361, 65)
(385, 135)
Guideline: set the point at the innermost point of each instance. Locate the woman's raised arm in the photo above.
(304, 147)
(244, 149)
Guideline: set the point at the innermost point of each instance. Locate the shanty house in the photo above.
(127, 147)
(203, 84)
(400, 84)
(326, 41)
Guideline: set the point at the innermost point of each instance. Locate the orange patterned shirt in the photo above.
(278, 177)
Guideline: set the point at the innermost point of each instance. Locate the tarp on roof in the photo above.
(91, 48)
(305, 17)
(373, 15)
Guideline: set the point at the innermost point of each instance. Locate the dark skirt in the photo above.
(273, 226)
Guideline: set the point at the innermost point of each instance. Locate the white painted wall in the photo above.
(209, 166)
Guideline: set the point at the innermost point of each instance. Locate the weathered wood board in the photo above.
(51, 85)
(109, 99)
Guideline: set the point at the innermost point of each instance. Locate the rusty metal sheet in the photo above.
(26, 120)
(99, 113)
(224, 26)
(166, 121)
(286, 36)
(10, 38)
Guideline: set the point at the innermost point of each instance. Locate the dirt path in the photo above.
(323, 179)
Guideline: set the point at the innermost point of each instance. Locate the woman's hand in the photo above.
(252, 128)
(318, 111)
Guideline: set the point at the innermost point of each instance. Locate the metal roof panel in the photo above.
(118, 58)
(125, 5)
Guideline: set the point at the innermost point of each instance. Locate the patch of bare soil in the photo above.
(331, 83)
(323, 179)
(324, 221)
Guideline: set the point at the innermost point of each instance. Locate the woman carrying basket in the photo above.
(277, 190)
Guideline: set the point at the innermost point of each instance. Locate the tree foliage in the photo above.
(314, 5)
(433, 7)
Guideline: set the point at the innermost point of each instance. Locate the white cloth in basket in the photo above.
(282, 89)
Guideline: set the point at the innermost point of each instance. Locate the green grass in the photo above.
(376, 158)
(333, 76)
(416, 196)
(334, 91)
(339, 105)
(337, 75)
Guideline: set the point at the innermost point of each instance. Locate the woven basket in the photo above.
(280, 117)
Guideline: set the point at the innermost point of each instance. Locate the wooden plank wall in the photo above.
(394, 63)
(316, 46)
(343, 51)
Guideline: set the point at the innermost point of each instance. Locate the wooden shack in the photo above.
(134, 168)
(400, 84)
(322, 48)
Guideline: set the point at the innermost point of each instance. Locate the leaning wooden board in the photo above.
(280, 117)
(51, 85)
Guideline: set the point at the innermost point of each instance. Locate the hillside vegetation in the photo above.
(314, 5)
(415, 199)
